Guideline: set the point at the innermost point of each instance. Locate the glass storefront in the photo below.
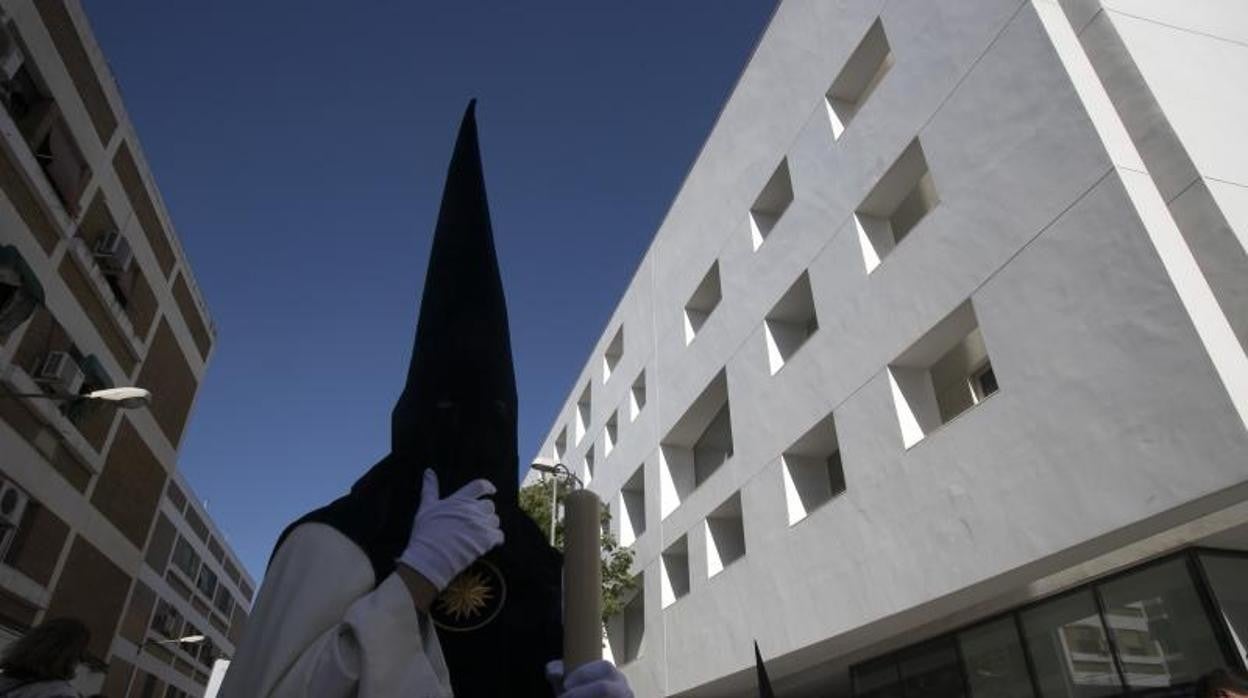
(994, 659)
(1152, 631)
(1070, 648)
(1226, 574)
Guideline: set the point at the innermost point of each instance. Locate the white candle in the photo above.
(582, 580)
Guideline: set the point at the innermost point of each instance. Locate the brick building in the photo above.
(95, 292)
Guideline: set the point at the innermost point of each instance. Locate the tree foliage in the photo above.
(616, 560)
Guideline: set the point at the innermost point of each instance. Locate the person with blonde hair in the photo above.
(42, 663)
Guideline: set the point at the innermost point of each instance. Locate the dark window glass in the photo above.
(167, 621)
(207, 653)
(186, 559)
(224, 601)
(987, 382)
(995, 664)
(1226, 575)
(1069, 648)
(1161, 632)
(932, 671)
(878, 680)
(207, 581)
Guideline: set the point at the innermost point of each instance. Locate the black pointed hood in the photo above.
(764, 683)
(457, 412)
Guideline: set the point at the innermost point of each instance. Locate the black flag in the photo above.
(764, 684)
(499, 621)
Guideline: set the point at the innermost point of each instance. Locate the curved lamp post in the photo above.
(127, 397)
(187, 640)
(555, 469)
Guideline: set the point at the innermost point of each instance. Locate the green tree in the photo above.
(616, 560)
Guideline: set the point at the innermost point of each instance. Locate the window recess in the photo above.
(702, 303)
(697, 445)
(675, 568)
(771, 204)
(637, 397)
(725, 536)
(584, 412)
(611, 434)
(812, 470)
(611, 357)
(626, 630)
(790, 323)
(902, 197)
(632, 507)
(945, 373)
(863, 71)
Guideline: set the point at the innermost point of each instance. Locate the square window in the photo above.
(904, 195)
(633, 507)
(637, 397)
(584, 413)
(613, 354)
(610, 434)
(703, 301)
(561, 444)
(863, 71)
(790, 323)
(626, 631)
(771, 204)
(812, 470)
(943, 374)
(696, 446)
(725, 536)
(675, 567)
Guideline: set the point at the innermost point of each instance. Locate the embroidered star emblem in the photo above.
(466, 596)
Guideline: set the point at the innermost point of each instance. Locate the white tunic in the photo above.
(320, 630)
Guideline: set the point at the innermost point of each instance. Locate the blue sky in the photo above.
(301, 147)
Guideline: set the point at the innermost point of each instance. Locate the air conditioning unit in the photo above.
(113, 254)
(10, 51)
(13, 502)
(61, 373)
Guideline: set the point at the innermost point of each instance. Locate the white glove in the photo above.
(449, 534)
(598, 679)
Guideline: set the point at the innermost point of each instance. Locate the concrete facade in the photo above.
(949, 316)
(96, 522)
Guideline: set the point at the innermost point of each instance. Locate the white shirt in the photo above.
(320, 630)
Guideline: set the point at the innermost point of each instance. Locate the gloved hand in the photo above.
(598, 679)
(449, 534)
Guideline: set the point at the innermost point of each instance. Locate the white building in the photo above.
(933, 379)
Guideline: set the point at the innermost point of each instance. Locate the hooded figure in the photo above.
(764, 683)
(348, 604)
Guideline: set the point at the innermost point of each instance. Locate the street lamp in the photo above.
(126, 397)
(187, 640)
(555, 469)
